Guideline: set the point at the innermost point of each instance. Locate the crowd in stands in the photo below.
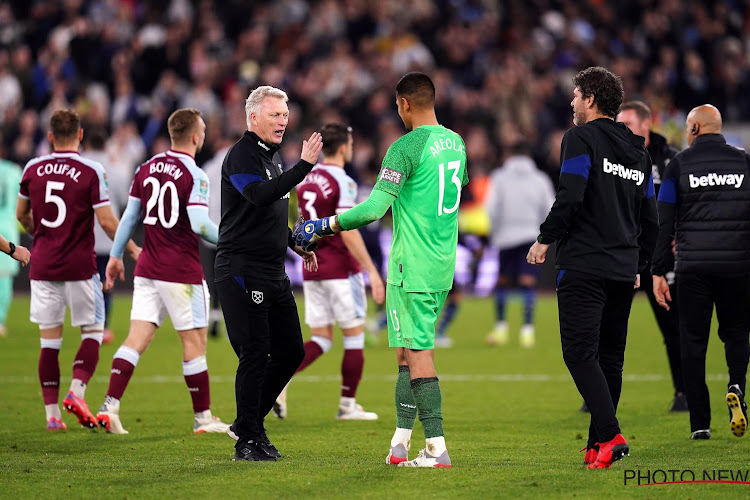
(503, 69)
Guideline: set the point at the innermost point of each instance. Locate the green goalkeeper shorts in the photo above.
(412, 317)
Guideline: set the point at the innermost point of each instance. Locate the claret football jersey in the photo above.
(166, 186)
(326, 191)
(63, 189)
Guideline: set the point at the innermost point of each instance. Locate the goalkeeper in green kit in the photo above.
(421, 179)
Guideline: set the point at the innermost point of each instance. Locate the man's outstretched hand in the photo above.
(307, 233)
(305, 240)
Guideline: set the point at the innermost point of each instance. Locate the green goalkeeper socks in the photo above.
(406, 408)
(430, 403)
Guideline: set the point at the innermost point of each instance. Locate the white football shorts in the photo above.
(185, 303)
(50, 298)
(341, 301)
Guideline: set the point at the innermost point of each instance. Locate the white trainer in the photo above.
(527, 336)
(499, 334)
(231, 433)
(110, 420)
(355, 412)
(398, 454)
(279, 407)
(424, 459)
(208, 423)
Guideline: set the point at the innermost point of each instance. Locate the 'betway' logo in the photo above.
(717, 180)
(626, 173)
(260, 143)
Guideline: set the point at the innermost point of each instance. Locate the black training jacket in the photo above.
(704, 202)
(254, 232)
(604, 217)
(661, 154)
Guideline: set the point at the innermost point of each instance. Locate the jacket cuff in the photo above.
(305, 165)
(544, 240)
(657, 271)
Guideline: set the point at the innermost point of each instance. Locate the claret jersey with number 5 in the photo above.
(63, 190)
(166, 186)
(425, 169)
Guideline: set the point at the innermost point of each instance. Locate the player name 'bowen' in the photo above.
(165, 168)
(447, 143)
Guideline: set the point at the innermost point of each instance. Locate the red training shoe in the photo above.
(80, 409)
(610, 452)
(56, 424)
(591, 454)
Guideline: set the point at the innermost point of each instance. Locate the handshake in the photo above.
(307, 233)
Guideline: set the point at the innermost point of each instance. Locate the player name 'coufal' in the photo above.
(58, 168)
(447, 143)
(165, 168)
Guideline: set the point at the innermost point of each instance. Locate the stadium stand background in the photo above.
(503, 69)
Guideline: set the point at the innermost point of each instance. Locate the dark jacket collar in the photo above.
(709, 138)
(262, 145)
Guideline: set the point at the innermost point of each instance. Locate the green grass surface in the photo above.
(511, 420)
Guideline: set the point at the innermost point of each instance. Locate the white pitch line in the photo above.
(497, 378)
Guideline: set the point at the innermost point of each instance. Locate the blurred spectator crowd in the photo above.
(503, 69)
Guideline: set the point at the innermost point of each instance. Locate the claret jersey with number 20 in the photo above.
(166, 186)
(425, 169)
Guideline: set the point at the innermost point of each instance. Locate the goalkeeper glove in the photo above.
(306, 234)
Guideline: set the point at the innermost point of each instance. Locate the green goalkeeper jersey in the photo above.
(425, 169)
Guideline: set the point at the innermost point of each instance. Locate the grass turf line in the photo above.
(509, 439)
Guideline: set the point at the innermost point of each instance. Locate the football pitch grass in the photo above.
(511, 420)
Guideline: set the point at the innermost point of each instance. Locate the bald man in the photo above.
(704, 201)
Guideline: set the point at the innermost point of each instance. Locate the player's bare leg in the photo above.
(195, 370)
(428, 399)
(351, 373)
(125, 360)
